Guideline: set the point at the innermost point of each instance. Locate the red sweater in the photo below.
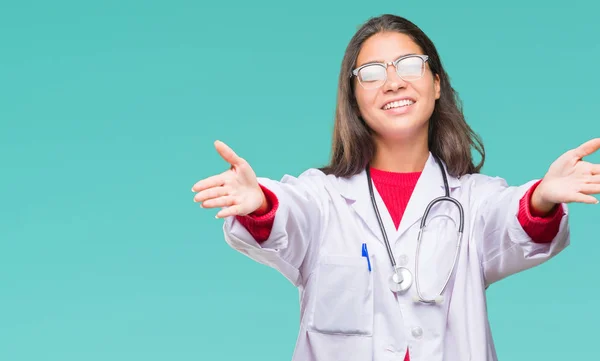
(395, 190)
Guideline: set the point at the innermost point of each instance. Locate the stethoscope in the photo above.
(401, 279)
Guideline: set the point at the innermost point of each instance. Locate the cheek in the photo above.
(365, 101)
(429, 92)
(361, 101)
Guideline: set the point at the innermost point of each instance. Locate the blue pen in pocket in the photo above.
(365, 253)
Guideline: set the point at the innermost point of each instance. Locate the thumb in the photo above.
(588, 148)
(227, 153)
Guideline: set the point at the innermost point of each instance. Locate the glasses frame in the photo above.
(425, 58)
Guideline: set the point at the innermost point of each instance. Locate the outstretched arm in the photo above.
(506, 242)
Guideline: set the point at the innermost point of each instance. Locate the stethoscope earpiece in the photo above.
(437, 299)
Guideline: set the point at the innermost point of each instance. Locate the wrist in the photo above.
(538, 203)
(264, 206)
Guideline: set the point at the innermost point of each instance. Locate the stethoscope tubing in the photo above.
(446, 197)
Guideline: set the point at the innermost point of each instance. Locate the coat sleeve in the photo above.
(297, 228)
(503, 245)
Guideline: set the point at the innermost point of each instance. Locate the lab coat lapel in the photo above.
(429, 186)
(356, 192)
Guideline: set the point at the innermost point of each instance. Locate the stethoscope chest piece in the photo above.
(401, 280)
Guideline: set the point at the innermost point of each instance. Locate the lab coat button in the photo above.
(417, 332)
(403, 260)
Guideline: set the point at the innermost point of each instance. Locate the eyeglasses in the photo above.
(374, 75)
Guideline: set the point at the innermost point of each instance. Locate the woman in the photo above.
(397, 122)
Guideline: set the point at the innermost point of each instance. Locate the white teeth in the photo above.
(398, 104)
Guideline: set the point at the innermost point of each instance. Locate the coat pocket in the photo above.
(343, 302)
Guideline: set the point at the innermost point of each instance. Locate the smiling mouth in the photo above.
(398, 104)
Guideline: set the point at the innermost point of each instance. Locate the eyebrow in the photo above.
(381, 61)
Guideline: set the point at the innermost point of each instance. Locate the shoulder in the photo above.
(478, 181)
(312, 180)
(492, 190)
(311, 175)
(317, 178)
(485, 183)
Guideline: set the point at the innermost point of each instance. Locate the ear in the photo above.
(436, 84)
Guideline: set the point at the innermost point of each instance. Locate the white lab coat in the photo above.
(349, 313)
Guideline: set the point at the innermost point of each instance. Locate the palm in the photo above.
(571, 179)
(241, 181)
(237, 189)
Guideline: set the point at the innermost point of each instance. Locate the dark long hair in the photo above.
(450, 137)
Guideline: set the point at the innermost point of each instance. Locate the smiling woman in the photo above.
(399, 88)
(408, 282)
(397, 118)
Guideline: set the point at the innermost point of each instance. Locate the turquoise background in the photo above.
(108, 115)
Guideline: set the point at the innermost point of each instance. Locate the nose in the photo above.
(393, 81)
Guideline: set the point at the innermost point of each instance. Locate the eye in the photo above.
(372, 76)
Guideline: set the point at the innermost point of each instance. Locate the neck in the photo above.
(400, 156)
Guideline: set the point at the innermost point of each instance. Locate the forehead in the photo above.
(384, 47)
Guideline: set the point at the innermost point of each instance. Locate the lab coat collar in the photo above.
(429, 186)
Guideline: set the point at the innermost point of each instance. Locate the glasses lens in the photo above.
(372, 76)
(411, 68)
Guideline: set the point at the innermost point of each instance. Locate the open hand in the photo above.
(237, 189)
(570, 179)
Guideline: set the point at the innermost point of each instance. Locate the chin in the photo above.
(402, 128)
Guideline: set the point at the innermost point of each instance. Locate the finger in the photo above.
(210, 194)
(596, 169)
(227, 153)
(593, 179)
(583, 198)
(588, 148)
(226, 201)
(229, 211)
(590, 189)
(210, 182)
